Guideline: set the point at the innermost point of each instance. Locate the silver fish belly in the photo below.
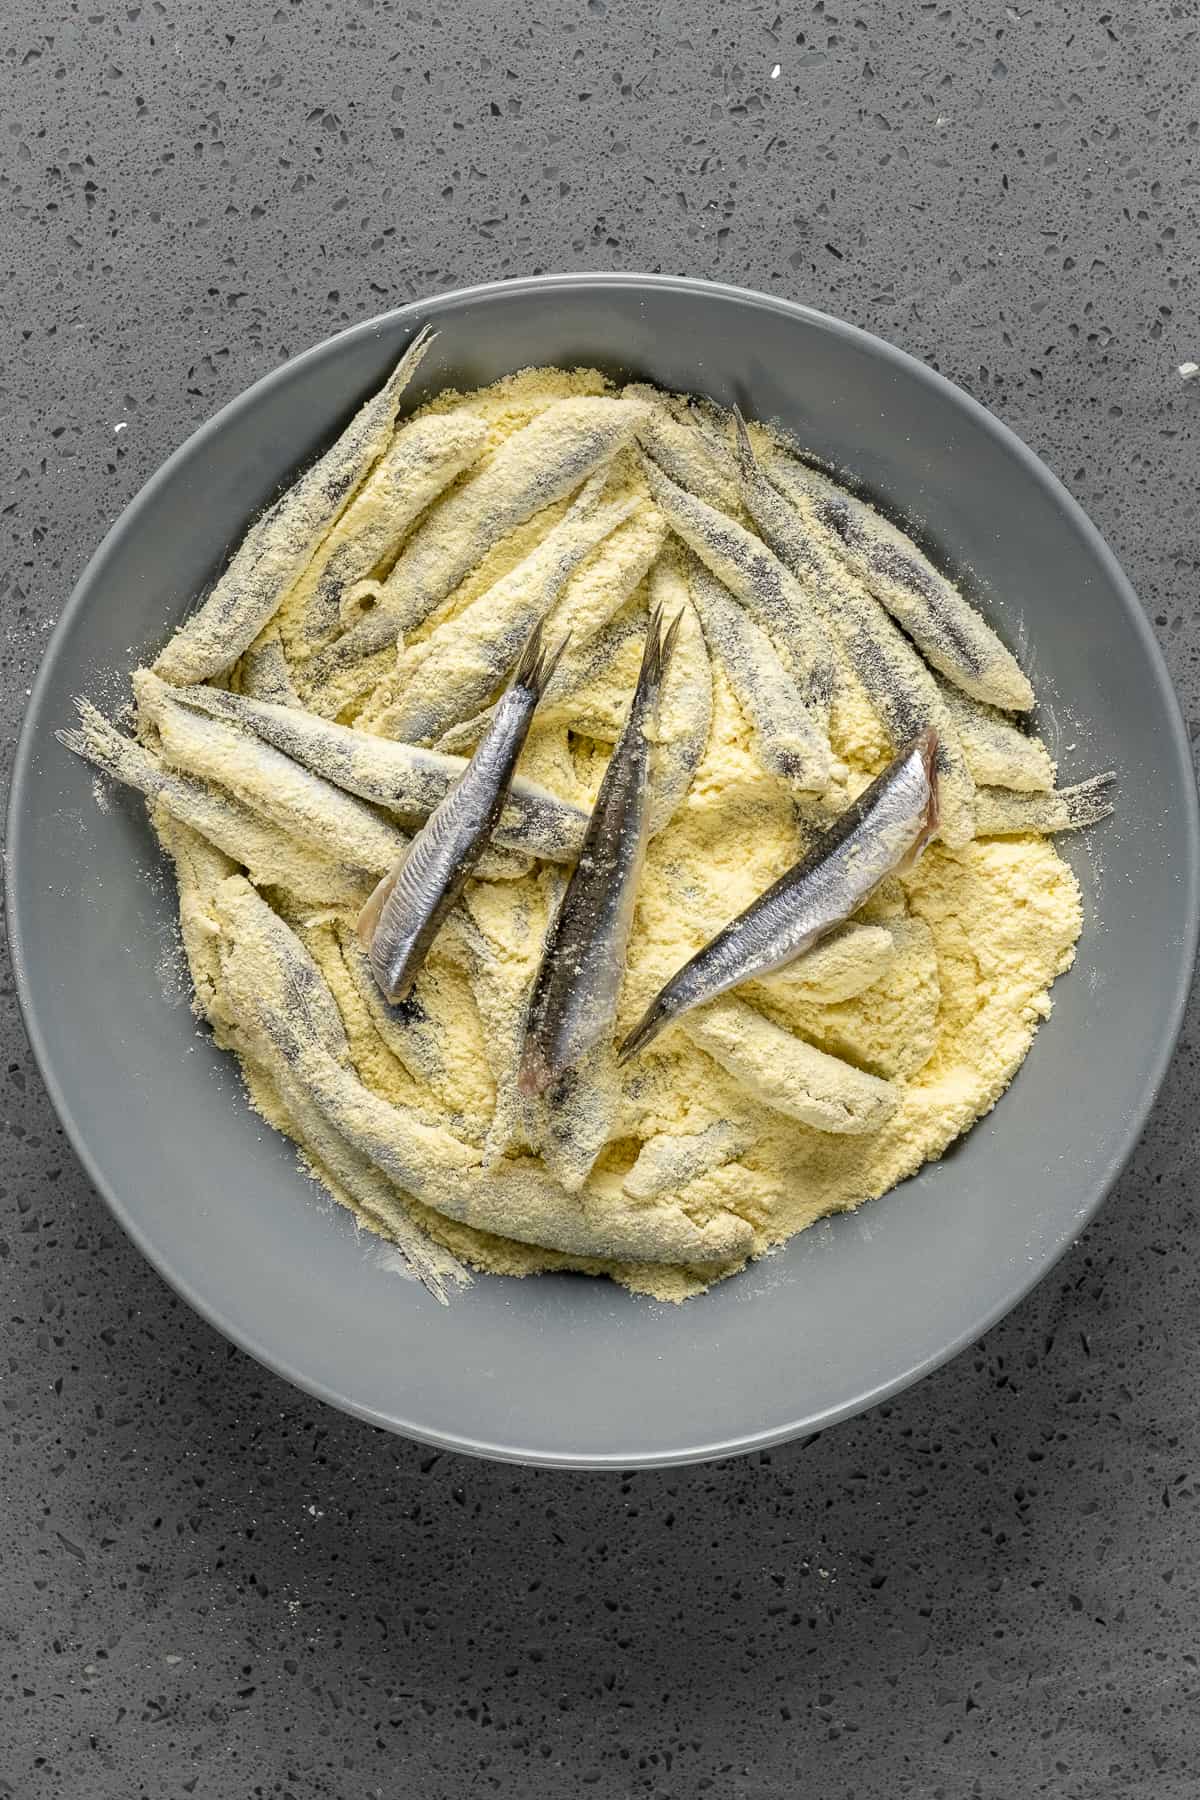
(886, 829)
(404, 914)
(574, 1000)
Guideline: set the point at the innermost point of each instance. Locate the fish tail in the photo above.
(537, 664)
(657, 652)
(1091, 800)
(747, 460)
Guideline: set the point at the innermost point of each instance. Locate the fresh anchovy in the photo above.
(680, 447)
(265, 674)
(1002, 813)
(665, 1164)
(269, 855)
(948, 631)
(403, 916)
(843, 965)
(885, 830)
(592, 603)
(895, 680)
(998, 752)
(760, 582)
(578, 984)
(788, 1075)
(270, 981)
(790, 741)
(532, 469)
(680, 734)
(425, 456)
(407, 780)
(277, 548)
(333, 822)
(451, 674)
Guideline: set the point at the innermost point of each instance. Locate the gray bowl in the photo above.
(564, 1370)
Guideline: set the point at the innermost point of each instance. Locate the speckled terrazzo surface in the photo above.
(211, 1585)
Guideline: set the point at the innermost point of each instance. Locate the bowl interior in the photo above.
(565, 1369)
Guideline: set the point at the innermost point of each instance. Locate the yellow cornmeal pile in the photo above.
(978, 935)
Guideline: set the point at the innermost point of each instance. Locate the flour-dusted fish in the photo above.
(271, 857)
(404, 914)
(425, 456)
(900, 688)
(574, 1001)
(450, 675)
(278, 547)
(789, 741)
(541, 463)
(761, 583)
(999, 812)
(404, 778)
(947, 630)
(885, 830)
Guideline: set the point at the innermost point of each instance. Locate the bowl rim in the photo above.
(415, 312)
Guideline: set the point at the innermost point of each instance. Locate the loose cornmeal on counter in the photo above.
(936, 987)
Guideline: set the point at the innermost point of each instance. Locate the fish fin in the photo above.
(657, 652)
(367, 922)
(1090, 801)
(537, 664)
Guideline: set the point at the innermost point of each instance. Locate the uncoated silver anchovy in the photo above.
(575, 995)
(404, 914)
(885, 829)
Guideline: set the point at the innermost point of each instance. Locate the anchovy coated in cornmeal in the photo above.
(406, 779)
(946, 629)
(789, 741)
(452, 673)
(901, 689)
(760, 582)
(270, 856)
(333, 822)
(403, 916)
(425, 456)
(264, 964)
(1000, 812)
(789, 1075)
(277, 548)
(578, 984)
(538, 465)
(885, 830)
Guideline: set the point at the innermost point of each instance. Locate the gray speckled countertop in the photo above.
(212, 1585)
